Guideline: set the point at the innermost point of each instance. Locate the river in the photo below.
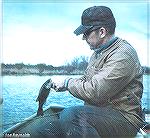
(20, 93)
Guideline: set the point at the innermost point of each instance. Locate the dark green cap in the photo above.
(95, 17)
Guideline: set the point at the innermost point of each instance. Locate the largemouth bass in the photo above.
(43, 94)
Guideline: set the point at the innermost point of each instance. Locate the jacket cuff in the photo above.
(67, 82)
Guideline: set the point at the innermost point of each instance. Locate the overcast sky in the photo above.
(36, 33)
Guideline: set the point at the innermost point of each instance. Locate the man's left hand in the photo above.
(60, 87)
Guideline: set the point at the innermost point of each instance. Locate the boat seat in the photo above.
(57, 108)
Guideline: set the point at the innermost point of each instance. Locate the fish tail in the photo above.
(40, 111)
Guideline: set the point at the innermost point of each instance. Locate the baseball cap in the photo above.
(95, 17)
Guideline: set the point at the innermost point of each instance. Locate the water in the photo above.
(20, 93)
(146, 92)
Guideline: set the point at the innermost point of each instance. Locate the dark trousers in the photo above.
(89, 122)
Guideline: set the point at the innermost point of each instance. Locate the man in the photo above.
(111, 85)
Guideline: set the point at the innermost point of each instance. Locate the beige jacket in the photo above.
(112, 78)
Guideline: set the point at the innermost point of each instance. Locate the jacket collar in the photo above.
(104, 46)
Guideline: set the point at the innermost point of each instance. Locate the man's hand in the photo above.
(61, 86)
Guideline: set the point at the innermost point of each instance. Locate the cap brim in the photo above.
(82, 29)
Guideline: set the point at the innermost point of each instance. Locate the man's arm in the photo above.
(116, 73)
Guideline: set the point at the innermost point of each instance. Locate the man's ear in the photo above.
(102, 32)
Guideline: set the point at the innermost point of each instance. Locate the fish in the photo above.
(43, 94)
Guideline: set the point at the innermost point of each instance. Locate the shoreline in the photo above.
(41, 70)
(45, 73)
(41, 74)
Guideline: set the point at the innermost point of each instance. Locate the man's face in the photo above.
(93, 39)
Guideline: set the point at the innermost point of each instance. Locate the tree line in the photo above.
(76, 66)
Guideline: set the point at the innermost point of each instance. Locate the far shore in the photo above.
(24, 72)
(76, 68)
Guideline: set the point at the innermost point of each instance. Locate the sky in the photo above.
(38, 32)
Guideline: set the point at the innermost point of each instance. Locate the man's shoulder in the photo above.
(125, 47)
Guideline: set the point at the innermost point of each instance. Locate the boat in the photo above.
(29, 127)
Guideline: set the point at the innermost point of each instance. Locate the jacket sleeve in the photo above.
(116, 73)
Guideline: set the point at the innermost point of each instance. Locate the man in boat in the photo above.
(111, 86)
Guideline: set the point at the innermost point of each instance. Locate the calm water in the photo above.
(20, 93)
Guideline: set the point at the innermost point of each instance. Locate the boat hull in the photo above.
(30, 126)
